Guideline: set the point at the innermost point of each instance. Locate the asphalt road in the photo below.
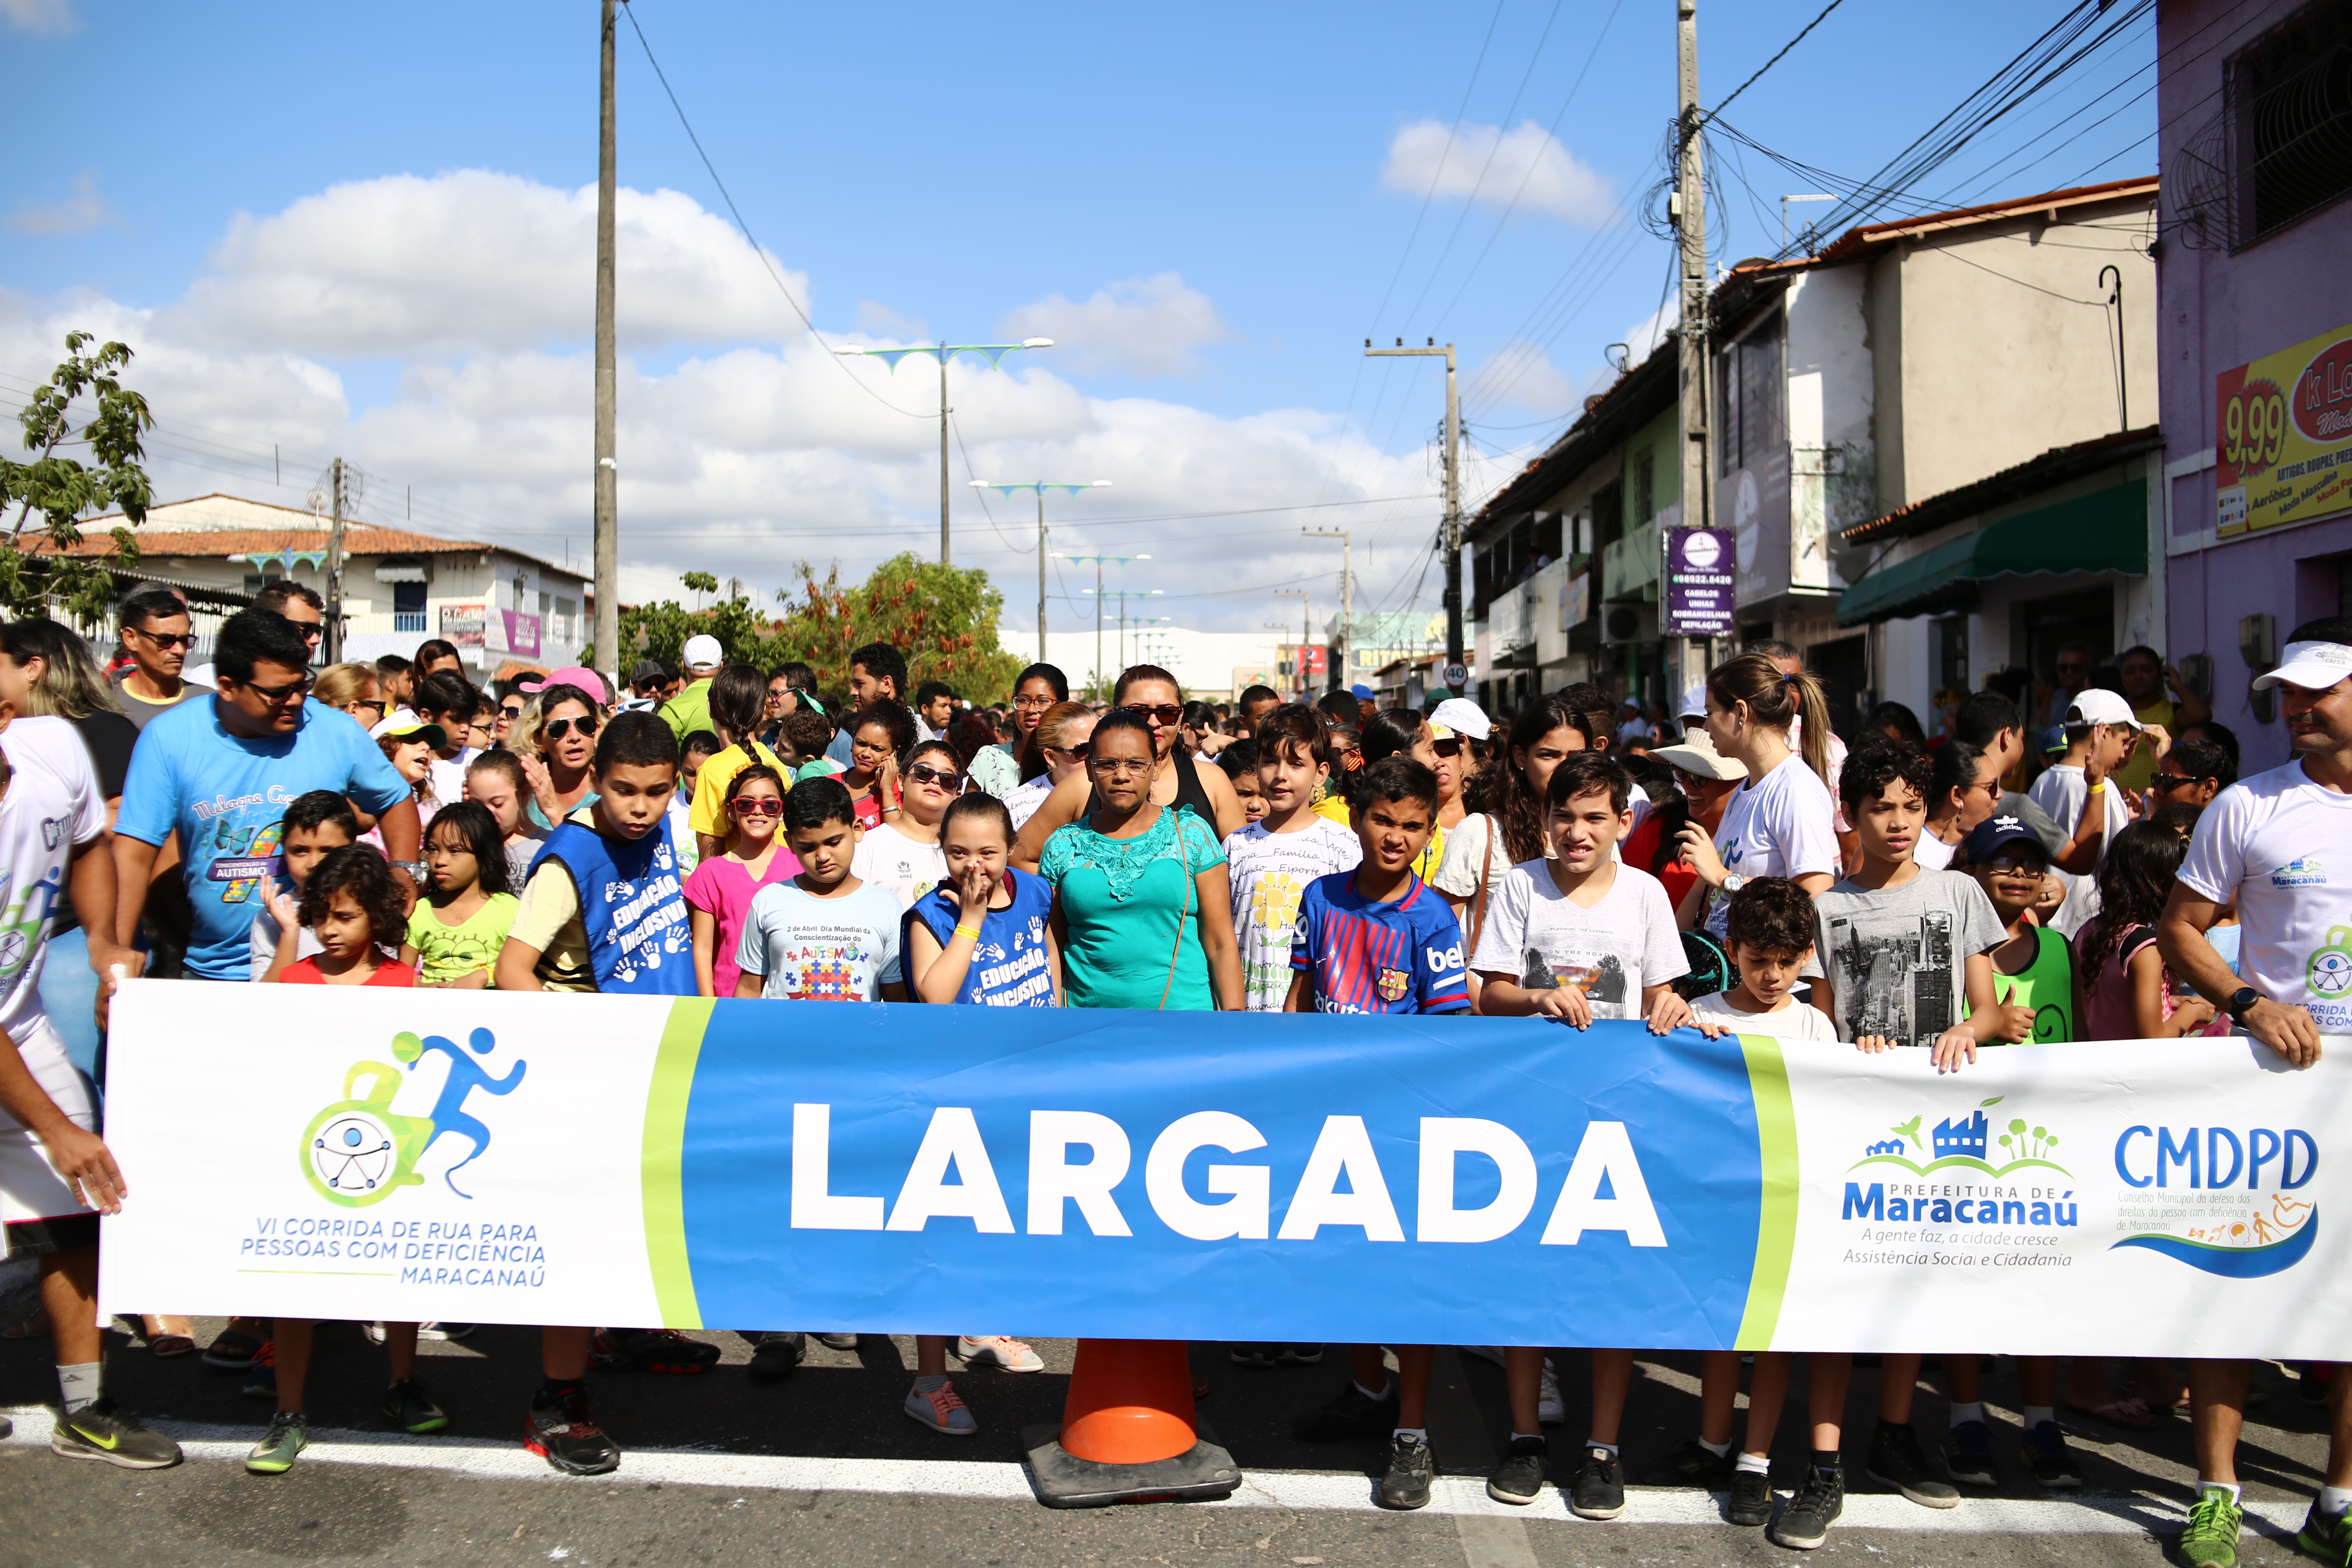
(822, 1469)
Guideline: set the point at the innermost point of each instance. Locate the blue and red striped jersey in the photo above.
(1368, 957)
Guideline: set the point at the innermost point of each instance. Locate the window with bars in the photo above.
(1748, 397)
(2290, 106)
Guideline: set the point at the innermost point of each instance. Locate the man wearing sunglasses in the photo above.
(218, 773)
(157, 633)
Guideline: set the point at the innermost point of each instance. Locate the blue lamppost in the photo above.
(1099, 560)
(992, 352)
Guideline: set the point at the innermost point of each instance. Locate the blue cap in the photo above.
(1361, 692)
(1993, 835)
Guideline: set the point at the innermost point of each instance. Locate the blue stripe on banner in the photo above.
(2233, 1262)
(945, 1170)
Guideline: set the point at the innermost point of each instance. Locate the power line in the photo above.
(1775, 60)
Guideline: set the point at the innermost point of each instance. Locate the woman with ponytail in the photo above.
(1783, 822)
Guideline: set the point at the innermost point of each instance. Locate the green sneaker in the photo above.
(408, 1406)
(2211, 1539)
(288, 1435)
(103, 1431)
(2327, 1537)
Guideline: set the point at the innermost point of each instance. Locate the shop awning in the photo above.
(2105, 531)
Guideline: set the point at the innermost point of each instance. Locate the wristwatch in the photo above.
(415, 868)
(1733, 882)
(2241, 1001)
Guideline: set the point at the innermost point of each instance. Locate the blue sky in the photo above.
(1208, 216)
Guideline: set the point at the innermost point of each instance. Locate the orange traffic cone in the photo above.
(1129, 1432)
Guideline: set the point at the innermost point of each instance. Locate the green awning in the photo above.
(2105, 531)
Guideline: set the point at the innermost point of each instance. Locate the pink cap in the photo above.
(587, 680)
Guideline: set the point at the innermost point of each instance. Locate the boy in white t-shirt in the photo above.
(1275, 858)
(2101, 733)
(1577, 937)
(2274, 844)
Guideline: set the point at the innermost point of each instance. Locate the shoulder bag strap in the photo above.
(1486, 874)
(1185, 867)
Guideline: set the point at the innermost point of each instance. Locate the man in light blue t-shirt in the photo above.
(221, 772)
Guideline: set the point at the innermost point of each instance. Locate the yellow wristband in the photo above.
(972, 932)
(2096, 788)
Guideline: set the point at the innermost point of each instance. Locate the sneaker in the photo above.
(664, 1350)
(2054, 1467)
(564, 1434)
(1751, 1497)
(1519, 1477)
(1350, 1414)
(1254, 1355)
(838, 1342)
(775, 1355)
(102, 1430)
(1413, 1465)
(2210, 1541)
(1821, 1497)
(261, 1374)
(446, 1330)
(997, 1350)
(1697, 1465)
(1302, 1355)
(1896, 1460)
(1549, 1411)
(1968, 1455)
(2327, 1537)
(1598, 1489)
(288, 1435)
(939, 1409)
(408, 1406)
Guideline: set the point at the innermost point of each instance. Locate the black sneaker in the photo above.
(1412, 1467)
(1302, 1355)
(1968, 1455)
(1598, 1489)
(1896, 1460)
(104, 1431)
(409, 1408)
(838, 1342)
(1821, 1497)
(566, 1436)
(1751, 1497)
(1351, 1415)
(1519, 1479)
(664, 1351)
(2045, 1451)
(1697, 1465)
(775, 1355)
(1257, 1355)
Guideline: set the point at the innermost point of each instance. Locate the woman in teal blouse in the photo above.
(1142, 904)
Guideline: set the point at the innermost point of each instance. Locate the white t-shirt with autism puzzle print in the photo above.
(1270, 874)
(2281, 847)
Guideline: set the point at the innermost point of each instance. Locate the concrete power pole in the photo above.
(1450, 536)
(1339, 682)
(608, 478)
(1690, 224)
(335, 567)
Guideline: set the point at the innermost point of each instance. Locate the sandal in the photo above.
(232, 1349)
(34, 1325)
(2130, 1411)
(163, 1339)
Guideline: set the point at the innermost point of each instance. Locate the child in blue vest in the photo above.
(632, 936)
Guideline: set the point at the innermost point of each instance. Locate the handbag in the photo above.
(1485, 872)
(1181, 915)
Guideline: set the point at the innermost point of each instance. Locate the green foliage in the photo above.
(660, 630)
(943, 618)
(63, 491)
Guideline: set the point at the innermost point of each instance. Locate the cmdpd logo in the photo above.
(359, 1150)
(2258, 1232)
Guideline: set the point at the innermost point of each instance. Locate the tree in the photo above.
(63, 491)
(660, 630)
(943, 618)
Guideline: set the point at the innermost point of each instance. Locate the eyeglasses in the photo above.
(372, 705)
(513, 712)
(1449, 747)
(923, 773)
(2171, 782)
(556, 729)
(756, 808)
(1119, 767)
(1161, 713)
(276, 696)
(1038, 702)
(166, 639)
(1078, 750)
(2016, 863)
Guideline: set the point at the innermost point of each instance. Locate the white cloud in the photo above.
(87, 209)
(49, 17)
(1143, 326)
(1520, 375)
(1491, 166)
(474, 259)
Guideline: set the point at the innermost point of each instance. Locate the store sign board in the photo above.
(2283, 437)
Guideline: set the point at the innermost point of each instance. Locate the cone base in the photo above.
(1202, 1472)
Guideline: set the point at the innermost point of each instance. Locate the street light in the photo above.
(992, 352)
(1041, 487)
(1306, 634)
(1122, 595)
(1099, 560)
(1347, 601)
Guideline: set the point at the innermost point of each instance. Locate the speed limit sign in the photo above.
(1457, 675)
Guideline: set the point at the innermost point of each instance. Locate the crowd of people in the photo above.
(397, 824)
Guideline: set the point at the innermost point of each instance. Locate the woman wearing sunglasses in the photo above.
(555, 740)
(903, 854)
(719, 893)
(351, 688)
(1058, 740)
(1151, 695)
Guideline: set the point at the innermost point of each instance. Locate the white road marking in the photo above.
(1462, 1498)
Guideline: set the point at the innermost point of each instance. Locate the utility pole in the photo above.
(608, 474)
(1450, 538)
(1041, 487)
(335, 568)
(1099, 560)
(1305, 632)
(992, 352)
(1347, 600)
(1690, 227)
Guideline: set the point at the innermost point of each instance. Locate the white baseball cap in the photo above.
(2099, 705)
(703, 652)
(1463, 717)
(2314, 666)
(1694, 703)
